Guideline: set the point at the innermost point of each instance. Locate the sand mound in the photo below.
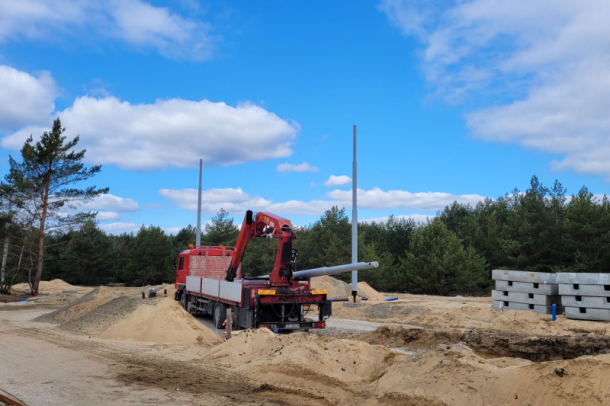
(338, 289)
(365, 290)
(104, 316)
(162, 321)
(262, 355)
(457, 376)
(80, 307)
(54, 286)
(334, 287)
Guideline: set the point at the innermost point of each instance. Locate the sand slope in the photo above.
(80, 307)
(54, 286)
(162, 322)
(339, 289)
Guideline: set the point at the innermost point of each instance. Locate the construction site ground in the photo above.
(108, 346)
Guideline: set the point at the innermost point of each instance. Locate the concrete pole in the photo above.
(4, 255)
(198, 236)
(354, 220)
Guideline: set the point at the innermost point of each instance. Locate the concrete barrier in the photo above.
(583, 313)
(528, 287)
(529, 298)
(593, 302)
(584, 278)
(568, 289)
(504, 305)
(522, 276)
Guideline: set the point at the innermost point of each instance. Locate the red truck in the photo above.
(209, 281)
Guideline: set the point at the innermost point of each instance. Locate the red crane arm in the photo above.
(263, 225)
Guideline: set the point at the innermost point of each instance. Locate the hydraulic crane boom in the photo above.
(267, 225)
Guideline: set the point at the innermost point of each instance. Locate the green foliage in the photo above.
(539, 230)
(221, 231)
(438, 263)
(149, 258)
(42, 184)
(85, 256)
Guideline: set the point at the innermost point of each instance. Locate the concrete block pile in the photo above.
(519, 290)
(586, 296)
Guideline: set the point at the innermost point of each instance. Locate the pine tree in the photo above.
(41, 186)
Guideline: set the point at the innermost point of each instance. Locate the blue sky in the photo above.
(453, 101)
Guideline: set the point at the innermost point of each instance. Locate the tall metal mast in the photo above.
(198, 236)
(354, 220)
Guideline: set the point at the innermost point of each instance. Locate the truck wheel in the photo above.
(184, 301)
(220, 315)
(235, 315)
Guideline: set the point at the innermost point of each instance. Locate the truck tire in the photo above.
(184, 301)
(219, 315)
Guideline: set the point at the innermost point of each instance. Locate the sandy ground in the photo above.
(110, 347)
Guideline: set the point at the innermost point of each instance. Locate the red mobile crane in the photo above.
(208, 280)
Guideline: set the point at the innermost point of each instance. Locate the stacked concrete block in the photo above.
(586, 296)
(518, 290)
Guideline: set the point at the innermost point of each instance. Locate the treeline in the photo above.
(542, 229)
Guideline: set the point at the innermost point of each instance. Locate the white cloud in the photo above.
(548, 58)
(120, 228)
(236, 201)
(173, 132)
(172, 230)
(418, 218)
(338, 180)
(134, 22)
(212, 200)
(110, 202)
(304, 167)
(394, 199)
(107, 216)
(25, 99)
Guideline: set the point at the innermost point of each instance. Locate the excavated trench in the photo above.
(490, 343)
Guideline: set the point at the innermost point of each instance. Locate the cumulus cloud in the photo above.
(25, 99)
(418, 218)
(304, 167)
(120, 228)
(377, 198)
(237, 201)
(134, 22)
(543, 65)
(172, 230)
(338, 180)
(107, 216)
(232, 200)
(173, 132)
(109, 202)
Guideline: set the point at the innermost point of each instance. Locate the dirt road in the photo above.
(42, 365)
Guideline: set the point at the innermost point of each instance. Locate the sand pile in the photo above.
(365, 290)
(106, 314)
(54, 286)
(80, 307)
(283, 358)
(161, 321)
(451, 312)
(338, 289)
(456, 376)
(334, 287)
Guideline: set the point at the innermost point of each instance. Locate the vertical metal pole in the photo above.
(354, 220)
(5, 254)
(198, 236)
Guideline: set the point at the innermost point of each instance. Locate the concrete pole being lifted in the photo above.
(198, 235)
(354, 220)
